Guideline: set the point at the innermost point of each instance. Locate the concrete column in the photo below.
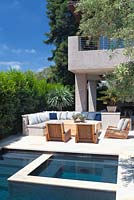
(92, 95)
(80, 92)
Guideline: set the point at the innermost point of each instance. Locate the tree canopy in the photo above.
(62, 24)
(110, 18)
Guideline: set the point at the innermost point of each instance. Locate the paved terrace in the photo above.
(124, 148)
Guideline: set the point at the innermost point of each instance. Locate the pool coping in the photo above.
(122, 148)
(23, 176)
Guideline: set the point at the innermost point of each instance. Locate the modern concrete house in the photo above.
(88, 62)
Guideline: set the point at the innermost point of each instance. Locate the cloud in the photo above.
(41, 69)
(11, 64)
(5, 47)
(26, 51)
(17, 51)
(16, 67)
(30, 51)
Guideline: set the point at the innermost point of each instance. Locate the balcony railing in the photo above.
(103, 43)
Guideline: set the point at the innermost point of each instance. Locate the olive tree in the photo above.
(113, 19)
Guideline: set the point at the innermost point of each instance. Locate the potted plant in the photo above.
(110, 98)
(78, 117)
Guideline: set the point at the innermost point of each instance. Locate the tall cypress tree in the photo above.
(62, 24)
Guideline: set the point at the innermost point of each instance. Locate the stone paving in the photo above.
(124, 148)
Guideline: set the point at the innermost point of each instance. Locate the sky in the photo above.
(22, 27)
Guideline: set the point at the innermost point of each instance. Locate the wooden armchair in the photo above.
(115, 132)
(55, 131)
(85, 133)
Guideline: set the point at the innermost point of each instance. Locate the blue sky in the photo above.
(22, 27)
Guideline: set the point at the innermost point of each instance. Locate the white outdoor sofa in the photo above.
(34, 124)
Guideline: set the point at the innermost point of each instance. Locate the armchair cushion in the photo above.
(126, 121)
(115, 132)
(120, 124)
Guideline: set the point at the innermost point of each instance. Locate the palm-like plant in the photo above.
(60, 97)
(110, 96)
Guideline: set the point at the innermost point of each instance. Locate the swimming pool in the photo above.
(97, 168)
(10, 163)
(64, 176)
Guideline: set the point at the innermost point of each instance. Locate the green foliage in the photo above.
(62, 24)
(110, 96)
(120, 85)
(60, 97)
(79, 117)
(114, 19)
(22, 93)
(123, 77)
(7, 107)
(49, 74)
(19, 94)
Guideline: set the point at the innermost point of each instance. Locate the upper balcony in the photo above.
(94, 57)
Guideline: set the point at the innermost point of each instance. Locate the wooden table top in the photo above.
(68, 121)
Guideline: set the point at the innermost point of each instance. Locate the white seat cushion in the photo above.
(40, 125)
(63, 115)
(70, 114)
(120, 124)
(33, 118)
(42, 117)
(125, 124)
(58, 114)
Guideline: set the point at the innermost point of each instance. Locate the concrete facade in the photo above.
(87, 67)
(80, 92)
(92, 95)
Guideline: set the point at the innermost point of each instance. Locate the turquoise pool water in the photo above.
(69, 166)
(10, 163)
(97, 168)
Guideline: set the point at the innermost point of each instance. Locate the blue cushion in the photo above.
(91, 115)
(98, 117)
(52, 115)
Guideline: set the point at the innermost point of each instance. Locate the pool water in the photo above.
(10, 163)
(97, 168)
